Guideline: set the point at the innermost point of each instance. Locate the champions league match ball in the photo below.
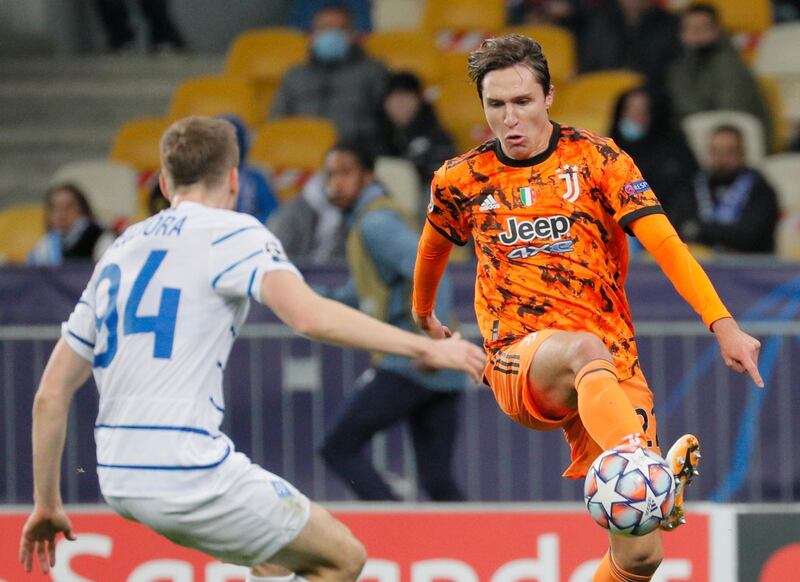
(629, 490)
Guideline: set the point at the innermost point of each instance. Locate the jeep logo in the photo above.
(552, 227)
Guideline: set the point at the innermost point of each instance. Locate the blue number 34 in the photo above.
(162, 325)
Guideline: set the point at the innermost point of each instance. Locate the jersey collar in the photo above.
(537, 159)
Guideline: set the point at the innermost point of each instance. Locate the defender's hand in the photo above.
(458, 354)
(432, 326)
(39, 537)
(739, 350)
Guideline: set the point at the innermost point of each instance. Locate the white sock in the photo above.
(289, 578)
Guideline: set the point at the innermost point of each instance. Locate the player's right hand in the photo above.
(458, 354)
(432, 327)
(39, 537)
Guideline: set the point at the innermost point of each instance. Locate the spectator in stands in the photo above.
(339, 82)
(72, 231)
(711, 75)
(381, 250)
(631, 34)
(303, 11)
(641, 126)
(733, 207)
(409, 129)
(310, 227)
(114, 15)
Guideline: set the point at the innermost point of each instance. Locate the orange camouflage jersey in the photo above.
(549, 236)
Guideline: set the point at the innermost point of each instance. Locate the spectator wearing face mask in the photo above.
(339, 82)
(733, 208)
(710, 74)
(641, 127)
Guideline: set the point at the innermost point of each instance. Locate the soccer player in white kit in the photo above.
(155, 325)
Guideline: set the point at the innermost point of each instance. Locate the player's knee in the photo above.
(586, 347)
(641, 561)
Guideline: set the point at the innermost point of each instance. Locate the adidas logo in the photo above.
(489, 203)
(652, 506)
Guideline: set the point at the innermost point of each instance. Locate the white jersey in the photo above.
(157, 320)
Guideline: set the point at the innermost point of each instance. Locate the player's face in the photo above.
(344, 178)
(516, 110)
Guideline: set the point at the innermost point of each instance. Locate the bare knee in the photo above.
(642, 561)
(586, 347)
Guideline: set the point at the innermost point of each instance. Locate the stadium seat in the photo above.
(698, 128)
(109, 186)
(396, 14)
(400, 178)
(486, 15)
(783, 172)
(460, 111)
(749, 16)
(403, 50)
(778, 58)
(787, 236)
(137, 143)
(216, 95)
(588, 100)
(21, 226)
(292, 149)
(773, 97)
(558, 45)
(265, 54)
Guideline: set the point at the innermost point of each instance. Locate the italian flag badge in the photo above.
(526, 196)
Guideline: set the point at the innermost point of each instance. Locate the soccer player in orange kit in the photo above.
(548, 207)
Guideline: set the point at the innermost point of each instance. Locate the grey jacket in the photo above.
(349, 93)
(717, 80)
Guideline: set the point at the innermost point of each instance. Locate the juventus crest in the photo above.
(570, 176)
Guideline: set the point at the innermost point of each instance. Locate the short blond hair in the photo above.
(197, 150)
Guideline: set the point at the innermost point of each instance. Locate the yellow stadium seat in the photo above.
(453, 67)
(592, 96)
(783, 173)
(137, 143)
(753, 16)
(558, 45)
(265, 54)
(487, 15)
(771, 90)
(292, 148)
(404, 50)
(216, 95)
(21, 226)
(460, 111)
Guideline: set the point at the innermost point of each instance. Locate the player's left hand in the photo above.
(739, 350)
(39, 537)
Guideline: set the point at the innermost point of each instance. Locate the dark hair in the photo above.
(404, 81)
(198, 150)
(339, 7)
(731, 129)
(77, 194)
(703, 8)
(506, 51)
(364, 156)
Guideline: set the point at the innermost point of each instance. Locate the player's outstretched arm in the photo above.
(65, 373)
(326, 320)
(432, 254)
(739, 350)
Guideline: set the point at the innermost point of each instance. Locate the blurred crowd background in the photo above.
(704, 95)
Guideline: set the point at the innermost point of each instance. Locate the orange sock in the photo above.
(608, 571)
(603, 407)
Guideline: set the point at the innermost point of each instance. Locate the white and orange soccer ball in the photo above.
(629, 490)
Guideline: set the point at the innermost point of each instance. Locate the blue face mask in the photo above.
(331, 46)
(631, 130)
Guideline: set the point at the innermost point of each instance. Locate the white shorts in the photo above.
(246, 523)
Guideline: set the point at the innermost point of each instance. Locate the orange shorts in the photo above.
(507, 374)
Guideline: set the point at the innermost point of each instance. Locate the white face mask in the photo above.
(631, 130)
